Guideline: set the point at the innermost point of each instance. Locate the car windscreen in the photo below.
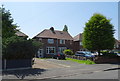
(80, 53)
(88, 53)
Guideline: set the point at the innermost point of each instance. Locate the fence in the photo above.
(16, 64)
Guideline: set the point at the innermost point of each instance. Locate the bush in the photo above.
(19, 48)
(68, 52)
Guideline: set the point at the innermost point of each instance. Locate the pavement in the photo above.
(64, 69)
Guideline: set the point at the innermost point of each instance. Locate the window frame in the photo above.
(48, 50)
(80, 43)
(61, 49)
(62, 41)
(50, 41)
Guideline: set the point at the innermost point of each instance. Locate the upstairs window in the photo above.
(80, 43)
(71, 41)
(50, 41)
(62, 41)
(40, 39)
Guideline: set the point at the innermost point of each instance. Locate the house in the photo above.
(117, 45)
(54, 42)
(21, 34)
(79, 47)
(78, 43)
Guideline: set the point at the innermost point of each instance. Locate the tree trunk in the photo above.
(98, 52)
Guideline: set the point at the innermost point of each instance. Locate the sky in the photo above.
(34, 17)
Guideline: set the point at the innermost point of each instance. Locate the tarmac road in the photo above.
(62, 69)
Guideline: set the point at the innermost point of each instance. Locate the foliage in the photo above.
(98, 34)
(68, 52)
(18, 48)
(14, 47)
(81, 61)
(8, 28)
(65, 28)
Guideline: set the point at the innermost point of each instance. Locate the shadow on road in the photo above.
(111, 69)
(21, 74)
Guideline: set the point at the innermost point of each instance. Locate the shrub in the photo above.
(19, 48)
(68, 52)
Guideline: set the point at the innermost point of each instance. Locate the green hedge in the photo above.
(68, 52)
(19, 48)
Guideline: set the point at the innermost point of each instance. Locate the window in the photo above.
(71, 41)
(61, 49)
(80, 43)
(62, 41)
(50, 50)
(50, 41)
(40, 39)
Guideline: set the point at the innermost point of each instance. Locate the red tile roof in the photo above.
(56, 34)
(78, 37)
(19, 33)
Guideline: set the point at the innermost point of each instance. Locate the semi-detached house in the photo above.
(54, 42)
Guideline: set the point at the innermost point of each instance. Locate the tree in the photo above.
(98, 34)
(14, 47)
(65, 28)
(8, 28)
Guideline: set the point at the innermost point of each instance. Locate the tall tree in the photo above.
(65, 28)
(8, 28)
(98, 34)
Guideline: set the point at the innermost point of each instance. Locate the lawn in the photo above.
(44, 58)
(81, 61)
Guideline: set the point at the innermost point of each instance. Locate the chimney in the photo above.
(52, 29)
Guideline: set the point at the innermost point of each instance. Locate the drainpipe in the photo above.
(57, 46)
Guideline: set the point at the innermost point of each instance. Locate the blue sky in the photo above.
(33, 17)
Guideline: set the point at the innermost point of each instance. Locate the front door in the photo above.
(40, 53)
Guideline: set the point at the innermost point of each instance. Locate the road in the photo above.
(64, 69)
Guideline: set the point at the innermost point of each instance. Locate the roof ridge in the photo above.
(40, 33)
(17, 32)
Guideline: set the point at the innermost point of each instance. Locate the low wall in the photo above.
(101, 59)
(14, 64)
(98, 59)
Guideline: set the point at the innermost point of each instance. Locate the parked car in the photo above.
(96, 53)
(118, 54)
(84, 54)
(115, 53)
(59, 56)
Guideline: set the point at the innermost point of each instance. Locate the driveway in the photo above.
(64, 69)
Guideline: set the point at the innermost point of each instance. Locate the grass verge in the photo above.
(44, 58)
(81, 61)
